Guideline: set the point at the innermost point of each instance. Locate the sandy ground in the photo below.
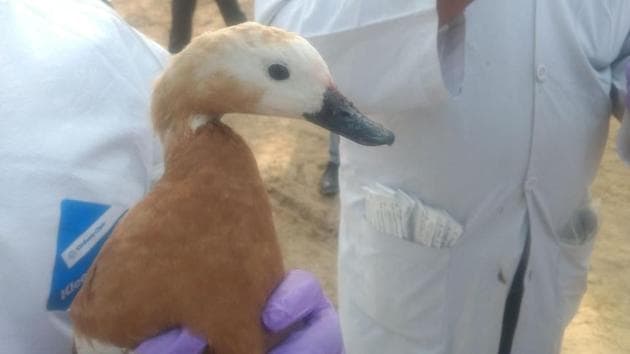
(292, 154)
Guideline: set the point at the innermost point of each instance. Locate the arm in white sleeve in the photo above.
(152, 59)
(157, 166)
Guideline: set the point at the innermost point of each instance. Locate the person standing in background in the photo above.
(473, 232)
(329, 181)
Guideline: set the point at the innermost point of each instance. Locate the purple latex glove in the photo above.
(300, 298)
(175, 341)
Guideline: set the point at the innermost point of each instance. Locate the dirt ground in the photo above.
(292, 154)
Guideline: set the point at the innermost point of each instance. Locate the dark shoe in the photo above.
(329, 184)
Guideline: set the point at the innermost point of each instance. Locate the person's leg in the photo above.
(329, 183)
(231, 12)
(182, 12)
(333, 149)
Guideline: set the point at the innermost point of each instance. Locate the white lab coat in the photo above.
(76, 150)
(512, 154)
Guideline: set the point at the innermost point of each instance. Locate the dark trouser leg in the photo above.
(513, 301)
(329, 183)
(182, 12)
(231, 12)
(333, 148)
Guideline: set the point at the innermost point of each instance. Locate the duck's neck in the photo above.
(206, 148)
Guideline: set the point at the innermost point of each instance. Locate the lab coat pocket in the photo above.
(576, 244)
(404, 258)
(395, 213)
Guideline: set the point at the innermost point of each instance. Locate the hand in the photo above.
(300, 298)
(175, 341)
(448, 10)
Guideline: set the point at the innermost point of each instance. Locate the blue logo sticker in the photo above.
(83, 229)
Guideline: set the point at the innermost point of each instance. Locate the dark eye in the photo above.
(278, 72)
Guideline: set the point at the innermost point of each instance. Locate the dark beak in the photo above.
(341, 117)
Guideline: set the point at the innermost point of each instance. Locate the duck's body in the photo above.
(200, 250)
(178, 260)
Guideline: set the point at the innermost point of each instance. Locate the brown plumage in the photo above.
(200, 250)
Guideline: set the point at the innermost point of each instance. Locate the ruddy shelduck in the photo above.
(200, 250)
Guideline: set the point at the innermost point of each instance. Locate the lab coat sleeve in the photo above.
(618, 95)
(157, 168)
(154, 58)
(150, 58)
(452, 54)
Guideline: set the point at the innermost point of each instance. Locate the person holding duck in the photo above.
(78, 152)
(473, 233)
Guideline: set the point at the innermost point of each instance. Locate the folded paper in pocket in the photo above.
(434, 228)
(394, 212)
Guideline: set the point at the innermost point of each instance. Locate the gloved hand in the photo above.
(175, 341)
(300, 298)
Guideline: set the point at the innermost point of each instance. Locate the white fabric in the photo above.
(74, 96)
(305, 17)
(344, 38)
(83, 346)
(452, 54)
(519, 145)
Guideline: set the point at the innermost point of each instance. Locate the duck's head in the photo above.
(256, 69)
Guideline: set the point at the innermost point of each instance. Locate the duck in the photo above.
(200, 250)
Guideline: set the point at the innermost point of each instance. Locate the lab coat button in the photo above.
(541, 73)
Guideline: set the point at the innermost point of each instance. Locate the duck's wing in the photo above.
(122, 298)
